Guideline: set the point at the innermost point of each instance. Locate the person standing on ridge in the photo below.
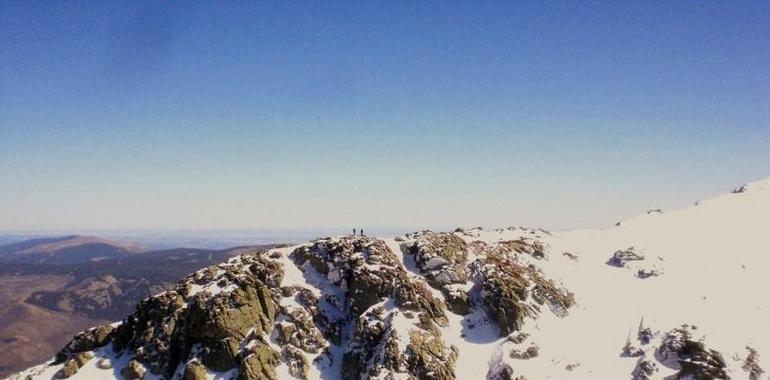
(354, 232)
(362, 232)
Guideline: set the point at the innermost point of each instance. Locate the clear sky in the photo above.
(392, 114)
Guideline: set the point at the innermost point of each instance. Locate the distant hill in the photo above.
(51, 288)
(65, 250)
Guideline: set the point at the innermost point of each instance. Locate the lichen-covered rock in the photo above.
(133, 371)
(530, 352)
(441, 257)
(509, 289)
(374, 348)
(85, 341)
(522, 245)
(457, 300)
(368, 272)
(221, 355)
(214, 310)
(194, 370)
(296, 361)
(103, 363)
(82, 358)
(258, 362)
(428, 357)
(69, 369)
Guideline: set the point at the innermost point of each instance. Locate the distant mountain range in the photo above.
(66, 250)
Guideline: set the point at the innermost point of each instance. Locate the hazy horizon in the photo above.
(301, 116)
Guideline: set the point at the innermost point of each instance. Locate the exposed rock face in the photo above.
(214, 309)
(512, 291)
(428, 357)
(258, 362)
(194, 370)
(379, 294)
(85, 341)
(70, 368)
(133, 371)
(441, 257)
(510, 288)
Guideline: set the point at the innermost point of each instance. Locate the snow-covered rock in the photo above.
(509, 303)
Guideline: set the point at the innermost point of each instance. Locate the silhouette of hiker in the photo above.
(362, 232)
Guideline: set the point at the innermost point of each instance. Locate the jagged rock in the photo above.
(645, 335)
(69, 369)
(85, 341)
(621, 257)
(194, 370)
(457, 301)
(531, 352)
(221, 355)
(163, 330)
(374, 348)
(369, 272)
(502, 371)
(691, 357)
(133, 371)
(644, 370)
(296, 361)
(428, 358)
(82, 358)
(527, 246)
(259, 362)
(751, 364)
(104, 363)
(441, 257)
(506, 291)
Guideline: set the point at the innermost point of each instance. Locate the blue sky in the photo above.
(123, 115)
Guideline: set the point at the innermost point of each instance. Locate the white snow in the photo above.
(714, 258)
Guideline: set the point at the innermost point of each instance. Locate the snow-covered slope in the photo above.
(663, 295)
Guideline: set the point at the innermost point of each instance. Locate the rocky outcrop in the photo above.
(350, 304)
(441, 257)
(133, 371)
(194, 370)
(386, 304)
(751, 364)
(644, 369)
(623, 256)
(258, 361)
(512, 291)
(692, 358)
(203, 321)
(428, 357)
(84, 342)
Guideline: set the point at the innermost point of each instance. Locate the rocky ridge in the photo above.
(346, 307)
